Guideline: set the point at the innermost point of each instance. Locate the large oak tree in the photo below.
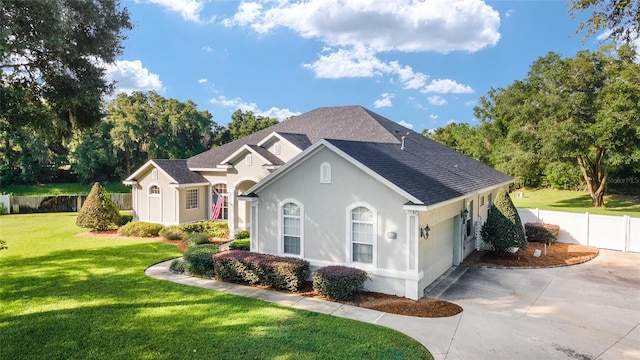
(584, 109)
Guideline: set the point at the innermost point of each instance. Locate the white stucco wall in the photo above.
(326, 238)
(143, 202)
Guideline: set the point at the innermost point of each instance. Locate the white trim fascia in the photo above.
(130, 182)
(224, 166)
(239, 151)
(413, 207)
(144, 167)
(393, 274)
(207, 169)
(465, 196)
(271, 167)
(315, 147)
(276, 135)
(247, 198)
(182, 186)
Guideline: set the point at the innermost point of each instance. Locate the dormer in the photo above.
(285, 145)
(251, 156)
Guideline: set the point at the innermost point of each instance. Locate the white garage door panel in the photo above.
(439, 257)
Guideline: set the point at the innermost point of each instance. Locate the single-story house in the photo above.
(336, 185)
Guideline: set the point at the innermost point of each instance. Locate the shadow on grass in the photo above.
(97, 303)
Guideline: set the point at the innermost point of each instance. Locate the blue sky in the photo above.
(423, 64)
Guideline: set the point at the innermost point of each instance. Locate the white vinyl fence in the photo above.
(606, 232)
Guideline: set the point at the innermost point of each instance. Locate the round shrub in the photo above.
(98, 212)
(339, 282)
(244, 234)
(198, 238)
(199, 260)
(140, 229)
(178, 266)
(243, 244)
(173, 232)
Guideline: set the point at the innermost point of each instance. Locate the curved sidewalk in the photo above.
(433, 333)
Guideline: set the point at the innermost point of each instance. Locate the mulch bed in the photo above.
(558, 254)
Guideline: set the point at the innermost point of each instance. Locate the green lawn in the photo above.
(60, 189)
(576, 201)
(69, 297)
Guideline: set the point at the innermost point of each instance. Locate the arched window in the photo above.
(276, 148)
(325, 173)
(154, 190)
(363, 233)
(248, 160)
(221, 189)
(291, 229)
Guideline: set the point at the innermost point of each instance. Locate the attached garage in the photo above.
(438, 250)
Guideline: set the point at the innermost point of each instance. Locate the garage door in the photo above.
(438, 250)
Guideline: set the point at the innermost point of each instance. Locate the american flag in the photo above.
(216, 206)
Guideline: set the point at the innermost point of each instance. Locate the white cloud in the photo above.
(202, 81)
(207, 48)
(238, 103)
(508, 13)
(406, 124)
(131, 76)
(356, 62)
(189, 9)
(433, 116)
(436, 100)
(445, 86)
(384, 101)
(410, 26)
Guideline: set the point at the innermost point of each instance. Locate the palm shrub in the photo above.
(98, 211)
(503, 229)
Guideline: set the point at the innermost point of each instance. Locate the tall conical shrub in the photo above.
(503, 229)
(98, 211)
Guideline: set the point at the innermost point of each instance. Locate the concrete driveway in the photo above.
(586, 311)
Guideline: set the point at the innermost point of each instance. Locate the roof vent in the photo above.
(403, 138)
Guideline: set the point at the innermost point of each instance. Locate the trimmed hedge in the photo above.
(244, 234)
(542, 233)
(339, 282)
(217, 229)
(270, 270)
(244, 244)
(199, 260)
(173, 232)
(140, 229)
(125, 219)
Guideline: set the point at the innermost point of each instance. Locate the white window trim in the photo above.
(149, 190)
(325, 173)
(281, 227)
(349, 249)
(225, 197)
(248, 160)
(186, 199)
(277, 148)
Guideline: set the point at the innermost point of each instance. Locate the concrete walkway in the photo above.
(587, 311)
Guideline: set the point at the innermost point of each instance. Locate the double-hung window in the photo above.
(362, 235)
(292, 229)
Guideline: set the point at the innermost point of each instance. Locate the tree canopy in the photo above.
(52, 56)
(246, 123)
(571, 118)
(621, 18)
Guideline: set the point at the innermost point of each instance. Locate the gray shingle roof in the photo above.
(179, 171)
(426, 169)
(342, 122)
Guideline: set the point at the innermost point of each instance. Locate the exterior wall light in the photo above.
(424, 232)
